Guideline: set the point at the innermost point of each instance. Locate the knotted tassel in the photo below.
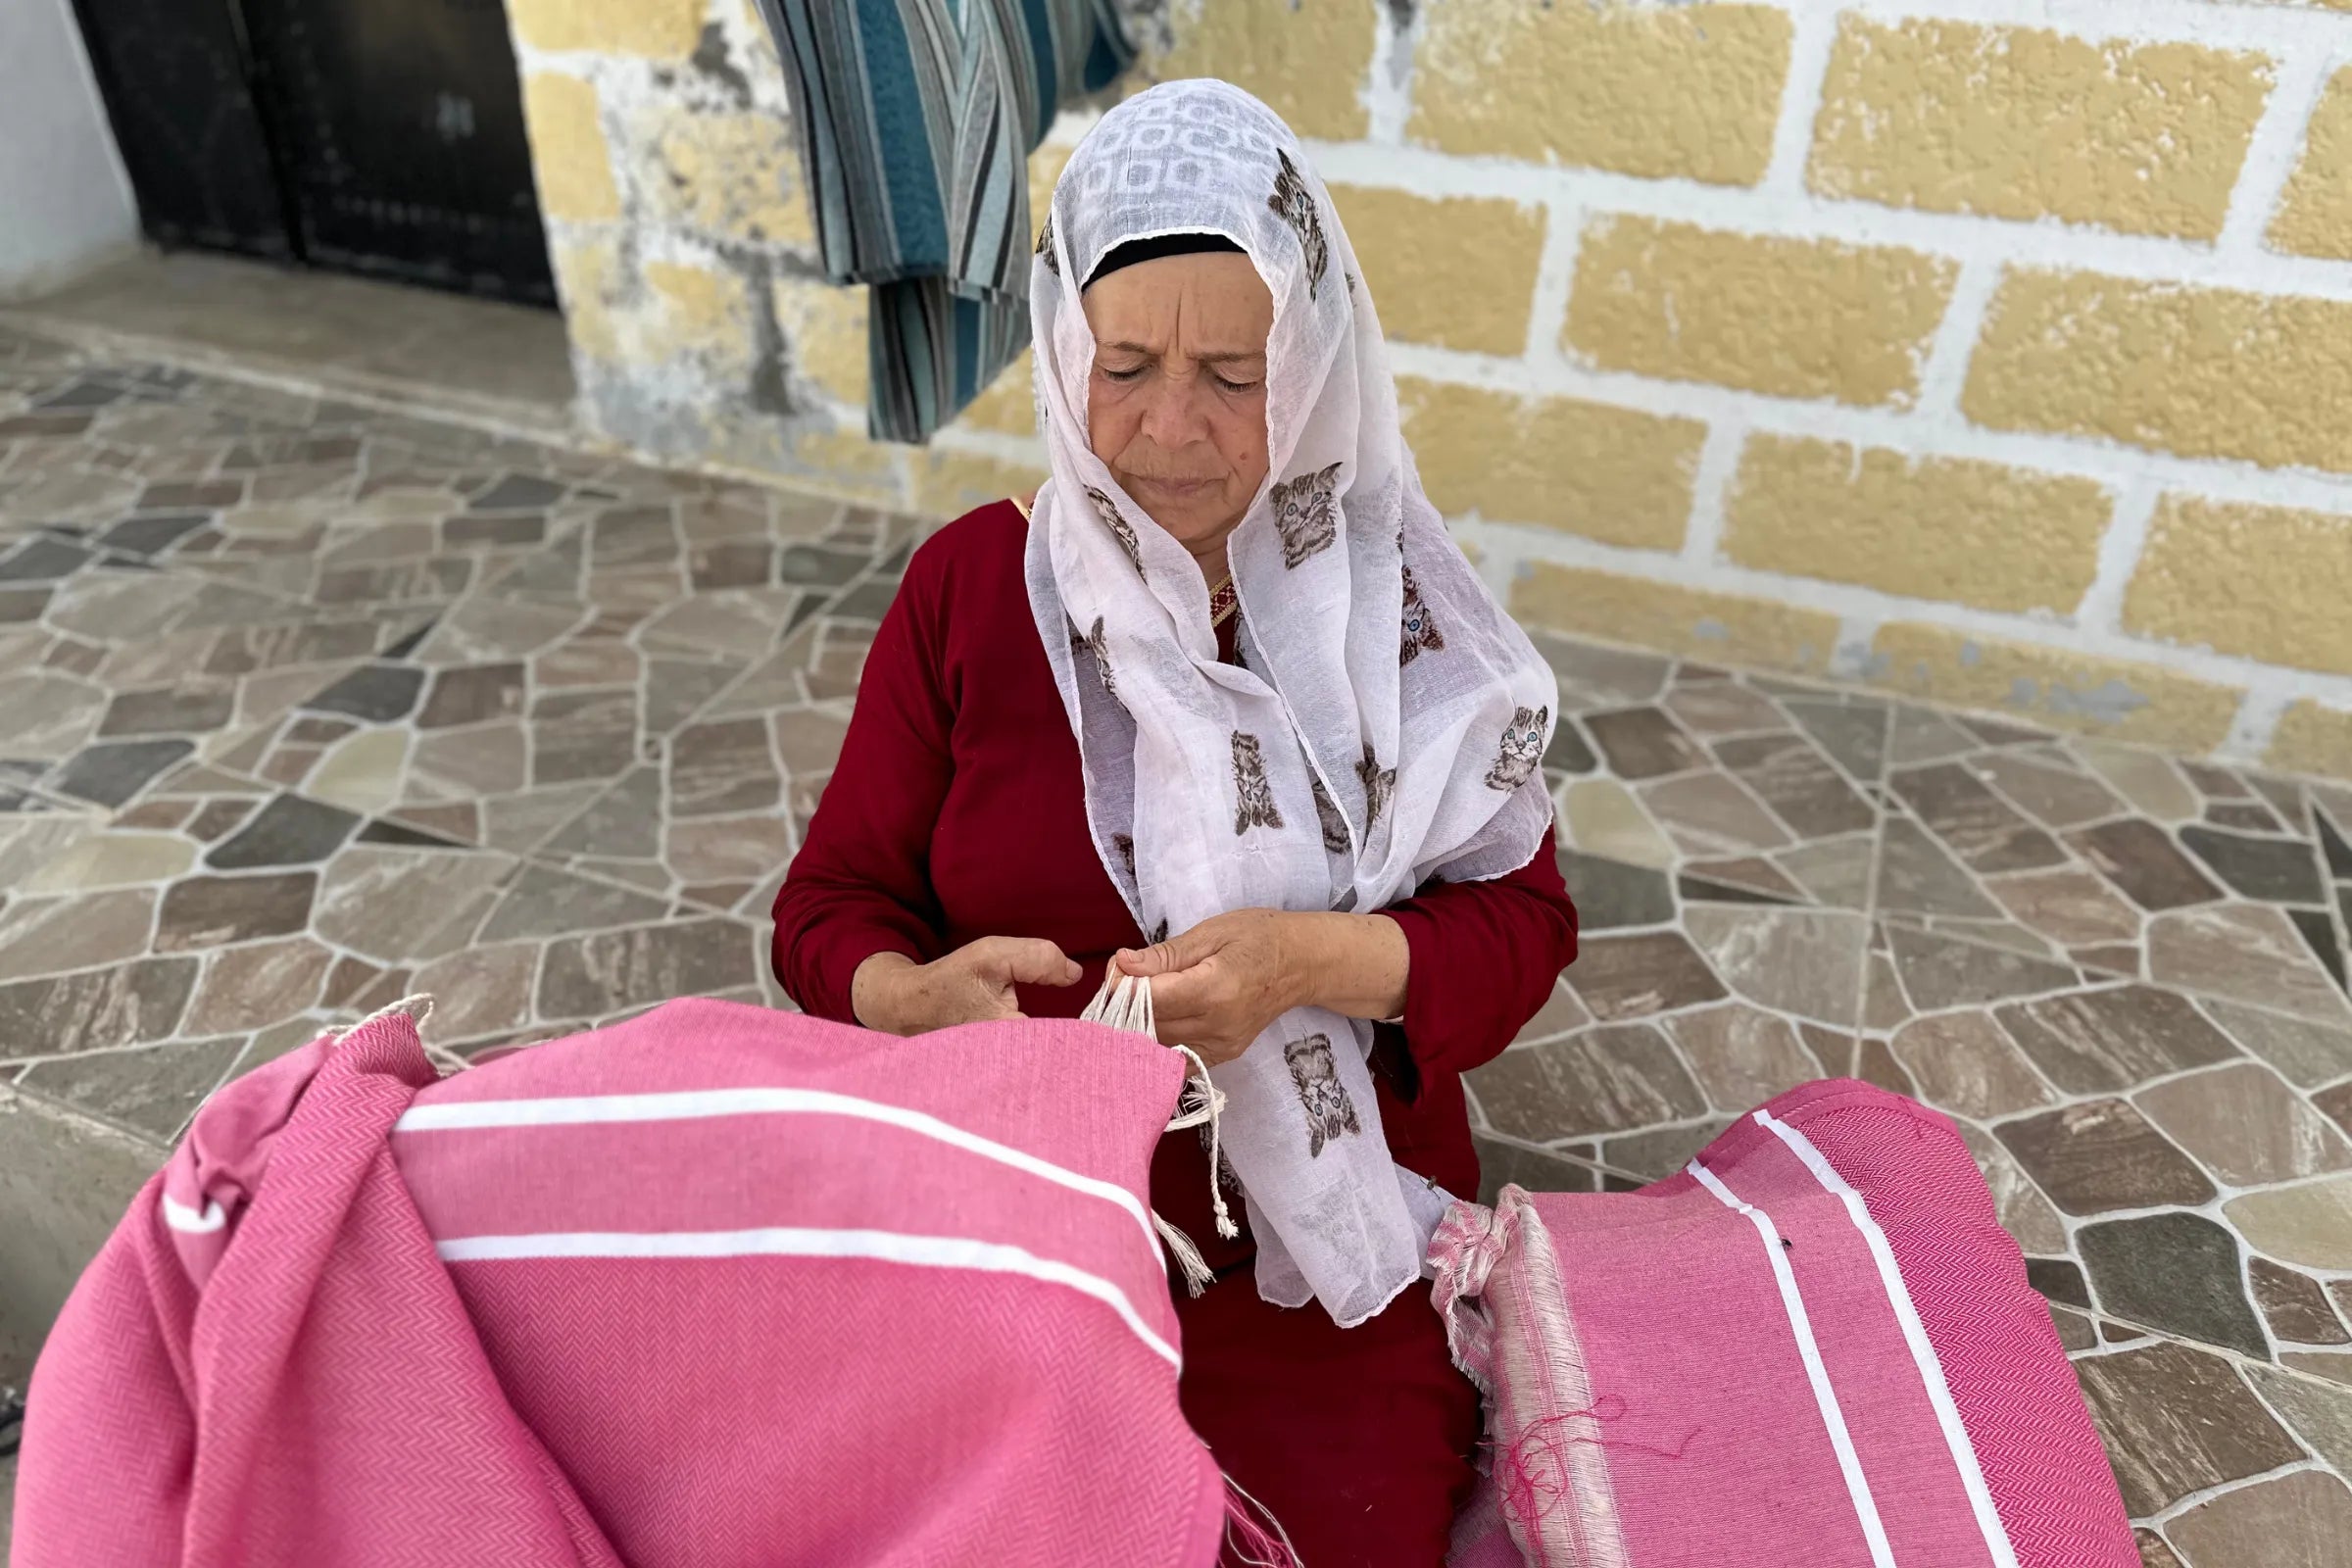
(1125, 1002)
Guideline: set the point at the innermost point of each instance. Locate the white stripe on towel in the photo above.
(688, 1104)
(1915, 1334)
(889, 1246)
(1849, 1463)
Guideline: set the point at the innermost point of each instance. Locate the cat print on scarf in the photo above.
(1126, 848)
(1304, 512)
(1379, 784)
(1045, 245)
(1335, 825)
(1521, 749)
(1098, 646)
(1330, 1113)
(1420, 627)
(1254, 796)
(1295, 205)
(1120, 528)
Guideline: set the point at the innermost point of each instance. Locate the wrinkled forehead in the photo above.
(1184, 157)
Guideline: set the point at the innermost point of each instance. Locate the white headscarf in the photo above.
(1386, 720)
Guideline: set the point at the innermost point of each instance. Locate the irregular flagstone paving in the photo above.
(305, 706)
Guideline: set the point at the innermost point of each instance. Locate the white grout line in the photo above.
(2257, 722)
(1718, 466)
(1799, 214)
(2280, 28)
(1388, 89)
(2205, 1494)
(2276, 145)
(2091, 457)
(2102, 603)
(1530, 544)
(1814, 35)
(1555, 278)
(1944, 375)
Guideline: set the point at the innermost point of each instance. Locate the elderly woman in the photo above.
(1226, 710)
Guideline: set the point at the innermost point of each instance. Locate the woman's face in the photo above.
(1176, 403)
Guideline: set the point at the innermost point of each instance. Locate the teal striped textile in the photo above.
(917, 120)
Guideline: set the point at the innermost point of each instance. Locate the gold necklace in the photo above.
(1223, 602)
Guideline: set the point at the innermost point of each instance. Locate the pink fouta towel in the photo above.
(1813, 1348)
(717, 1287)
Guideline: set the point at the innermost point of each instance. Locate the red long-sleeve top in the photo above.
(957, 810)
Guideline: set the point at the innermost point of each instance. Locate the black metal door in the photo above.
(172, 74)
(400, 125)
(378, 137)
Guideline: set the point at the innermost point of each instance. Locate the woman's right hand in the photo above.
(894, 994)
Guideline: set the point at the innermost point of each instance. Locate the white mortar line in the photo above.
(2091, 457)
(1816, 33)
(1718, 462)
(2101, 608)
(1555, 276)
(1945, 374)
(1387, 91)
(1847, 601)
(2277, 144)
(2045, 243)
(2256, 722)
(2282, 29)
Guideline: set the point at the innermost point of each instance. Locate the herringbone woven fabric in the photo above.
(718, 1286)
(1814, 1347)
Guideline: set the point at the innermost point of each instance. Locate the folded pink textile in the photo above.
(1813, 1348)
(717, 1286)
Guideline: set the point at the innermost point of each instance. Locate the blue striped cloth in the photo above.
(917, 120)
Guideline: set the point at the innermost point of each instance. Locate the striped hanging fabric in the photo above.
(917, 120)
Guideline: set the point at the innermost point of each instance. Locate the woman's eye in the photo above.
(1128, 374)
(1236, 386)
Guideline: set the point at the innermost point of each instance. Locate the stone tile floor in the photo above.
(305, 706)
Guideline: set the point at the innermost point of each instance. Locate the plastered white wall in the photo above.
(64, 201)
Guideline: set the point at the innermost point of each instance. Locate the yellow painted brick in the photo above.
(824, 328)
(589, 280)
(730, 176)
(1305, 58)
(701, 313)
(948, 484)
(1608, 474)
(1720, 628)
(2315, 213)
(2311, 739)
(1009, 403)
(1979, 533)
(1459, 271)
(567, 148)
(2206, 373)
(661, 29)
(2269, 582)
(2120, 701)
(2020, 122)
(1803, 319)
(1643, 90)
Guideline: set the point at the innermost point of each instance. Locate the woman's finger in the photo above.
(1033, 962)
(1178, 952)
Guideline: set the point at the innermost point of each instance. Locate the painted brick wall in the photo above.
(1997, 351)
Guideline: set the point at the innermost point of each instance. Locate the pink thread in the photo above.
(1532, 1475)
(1249, 1543)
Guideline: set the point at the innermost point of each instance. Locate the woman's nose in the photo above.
(1174, 417)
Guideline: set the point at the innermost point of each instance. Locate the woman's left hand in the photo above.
(1217, 986)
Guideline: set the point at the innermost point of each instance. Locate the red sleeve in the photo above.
(1484, 958)
(862, 883)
